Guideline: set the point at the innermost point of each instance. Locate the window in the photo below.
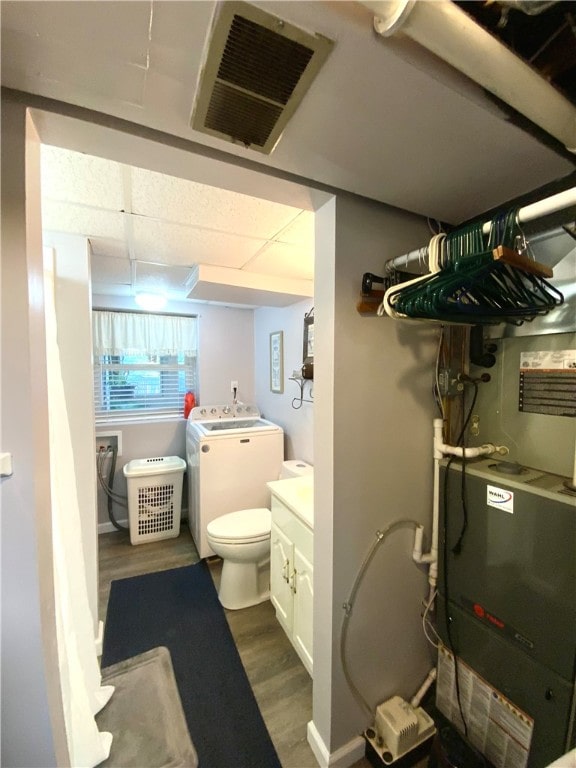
(143, 365)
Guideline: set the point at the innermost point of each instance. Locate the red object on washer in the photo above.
(189, 403)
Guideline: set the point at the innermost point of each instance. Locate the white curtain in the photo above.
(82, 693)
(128, 333)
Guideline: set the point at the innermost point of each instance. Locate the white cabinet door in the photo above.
(281, 566)
(303, 608)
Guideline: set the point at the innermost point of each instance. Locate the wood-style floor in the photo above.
(281, 685)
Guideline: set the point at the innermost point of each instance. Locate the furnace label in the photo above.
(500, 498)
(496, 727)
(547, 382)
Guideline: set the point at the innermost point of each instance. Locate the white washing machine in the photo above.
(231, 453)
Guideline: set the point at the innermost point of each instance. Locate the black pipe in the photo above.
(111, 473)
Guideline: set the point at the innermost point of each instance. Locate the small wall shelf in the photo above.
(301, 382)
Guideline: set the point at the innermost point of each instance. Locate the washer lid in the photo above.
(245, 524)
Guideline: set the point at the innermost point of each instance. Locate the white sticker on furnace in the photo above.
(500, 498)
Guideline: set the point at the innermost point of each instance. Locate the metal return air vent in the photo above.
(257, 72)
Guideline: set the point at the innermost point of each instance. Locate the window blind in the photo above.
(132, 382)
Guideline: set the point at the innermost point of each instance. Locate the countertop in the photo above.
(297, 493)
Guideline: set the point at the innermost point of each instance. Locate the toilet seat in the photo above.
(246, 526)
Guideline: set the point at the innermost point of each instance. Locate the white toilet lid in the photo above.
(245, 524)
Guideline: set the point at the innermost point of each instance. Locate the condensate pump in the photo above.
(398, 729)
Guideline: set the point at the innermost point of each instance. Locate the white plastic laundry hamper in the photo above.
(154, 497)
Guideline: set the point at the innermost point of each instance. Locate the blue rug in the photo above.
(180, 609)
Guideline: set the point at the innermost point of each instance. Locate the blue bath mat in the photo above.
(179, 609)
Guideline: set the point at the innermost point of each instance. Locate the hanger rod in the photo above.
(537, 210)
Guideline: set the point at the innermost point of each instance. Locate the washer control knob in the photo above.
(203, 411)
(214, 411)
(226, 409)
(238, 408)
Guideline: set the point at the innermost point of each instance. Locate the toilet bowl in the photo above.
(242, 540)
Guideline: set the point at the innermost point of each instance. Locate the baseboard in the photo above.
(343, 757)
(110, 527)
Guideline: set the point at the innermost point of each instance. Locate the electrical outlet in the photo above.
(106, 440)
(234, 386)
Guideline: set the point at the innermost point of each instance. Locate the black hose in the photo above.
(112, 496)
(381, 536)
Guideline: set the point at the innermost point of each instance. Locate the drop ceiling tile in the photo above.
(285, 260)
(183, 246)
(178, 200)
(107, 246)
(75, 177)
(81, 220)
(110, 289)
(160, 277)
(106, 269)
(300, 231)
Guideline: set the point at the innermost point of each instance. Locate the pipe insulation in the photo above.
(553, 204)
(448, 32)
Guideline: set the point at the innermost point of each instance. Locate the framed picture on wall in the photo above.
(308, 351)
(277, 362)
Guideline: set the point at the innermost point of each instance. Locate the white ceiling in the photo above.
(148, 231)
(384, 119)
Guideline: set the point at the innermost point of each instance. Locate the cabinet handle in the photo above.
(293, 585)
(285, 570)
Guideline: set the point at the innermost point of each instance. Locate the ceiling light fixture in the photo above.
(151, 302)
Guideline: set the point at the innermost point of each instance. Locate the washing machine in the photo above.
(231, 452)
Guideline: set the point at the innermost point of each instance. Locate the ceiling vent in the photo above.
(257, 72)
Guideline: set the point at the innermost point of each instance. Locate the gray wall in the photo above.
(297, 423)
(373, 461)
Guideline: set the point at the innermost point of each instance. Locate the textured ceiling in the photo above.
(140, 222)
(384, 119)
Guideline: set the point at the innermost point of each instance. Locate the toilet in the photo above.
(242, 540)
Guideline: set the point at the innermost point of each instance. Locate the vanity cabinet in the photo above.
(292, 577)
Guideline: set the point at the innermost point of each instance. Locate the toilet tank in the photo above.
(295, 468)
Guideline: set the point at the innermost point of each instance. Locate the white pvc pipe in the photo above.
(559, 202)
(472, 453)
(441, 449)
(443, 28)
(541, 208)
(417, 698)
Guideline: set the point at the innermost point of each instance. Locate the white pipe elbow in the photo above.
(443, 449)
(389, 15)
(418, 539)
(470, 453)
(417, 555)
